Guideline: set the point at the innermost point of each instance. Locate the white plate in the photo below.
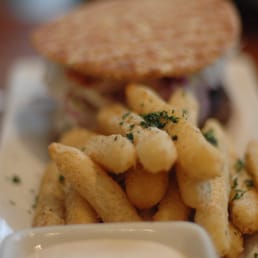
(25, 137)
(185, 237)
(27, 125)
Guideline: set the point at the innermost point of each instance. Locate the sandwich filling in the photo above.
(80, 97)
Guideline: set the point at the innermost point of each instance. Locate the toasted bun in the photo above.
(135, 39)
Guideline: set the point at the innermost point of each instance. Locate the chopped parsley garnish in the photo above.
(115, 139)
(239, 193)
(157, 119)
(125, 115)
(240, 165)
(16, 179)
(61, 178)
(129, 136)
(132, 126)
(12, 202)
(34, 205)
(210, 137)
(235, 183)
(121, 123)
(185, 113)
(174, 137)
(255, 255)
(249, 183)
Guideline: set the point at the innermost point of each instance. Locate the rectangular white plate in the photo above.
(27, 126)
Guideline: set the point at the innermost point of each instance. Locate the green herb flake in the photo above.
(239, 193)
(61, 179)
(121, 123)
(255, 255)
(235, 183)
(34, 205)
(157, 119)
(185, 113)
(130, 137)
(249, 183)
(16, 179)
(210, 137)
(32, 191)
(175, 138)
(12, 202)
(115, 139)
(132, 126)
(239, 165)
(125, 115)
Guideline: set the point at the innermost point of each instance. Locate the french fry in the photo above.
(114, 153)
(191, 189)
(199, 158)
(185, 100)
(214, 219)
(155, 149)
(78, 210)
(236, 242)
(143, 100)
(244, 200)
(144, 189)
(94, 184)
(76, 137)
(210, 197)
(50, 207)
(252, 161)
(172, 207)
(196, 155)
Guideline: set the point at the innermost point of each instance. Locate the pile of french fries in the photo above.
(150, 161)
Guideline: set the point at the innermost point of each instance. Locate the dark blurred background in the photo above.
(19, 17)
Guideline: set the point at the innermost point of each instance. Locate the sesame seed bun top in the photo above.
(134, 39)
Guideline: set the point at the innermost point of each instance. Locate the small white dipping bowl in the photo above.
(185, 237)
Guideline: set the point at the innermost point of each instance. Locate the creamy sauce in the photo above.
(107, 248)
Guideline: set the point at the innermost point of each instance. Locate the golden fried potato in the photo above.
(244, 203)
(94, 184)
(114, 153)
(143, 100)
(155, 149)
(210, 197)
(214, 219)
(186, 101)
(236, 242)
(198, 157)
(172, 207)
(193, 192)
(144, 189)
(76, 137)
(77, 209)
(50, 207)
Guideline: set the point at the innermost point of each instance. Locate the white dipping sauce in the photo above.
(107, 248)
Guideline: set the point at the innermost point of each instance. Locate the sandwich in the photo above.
(94, 51)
